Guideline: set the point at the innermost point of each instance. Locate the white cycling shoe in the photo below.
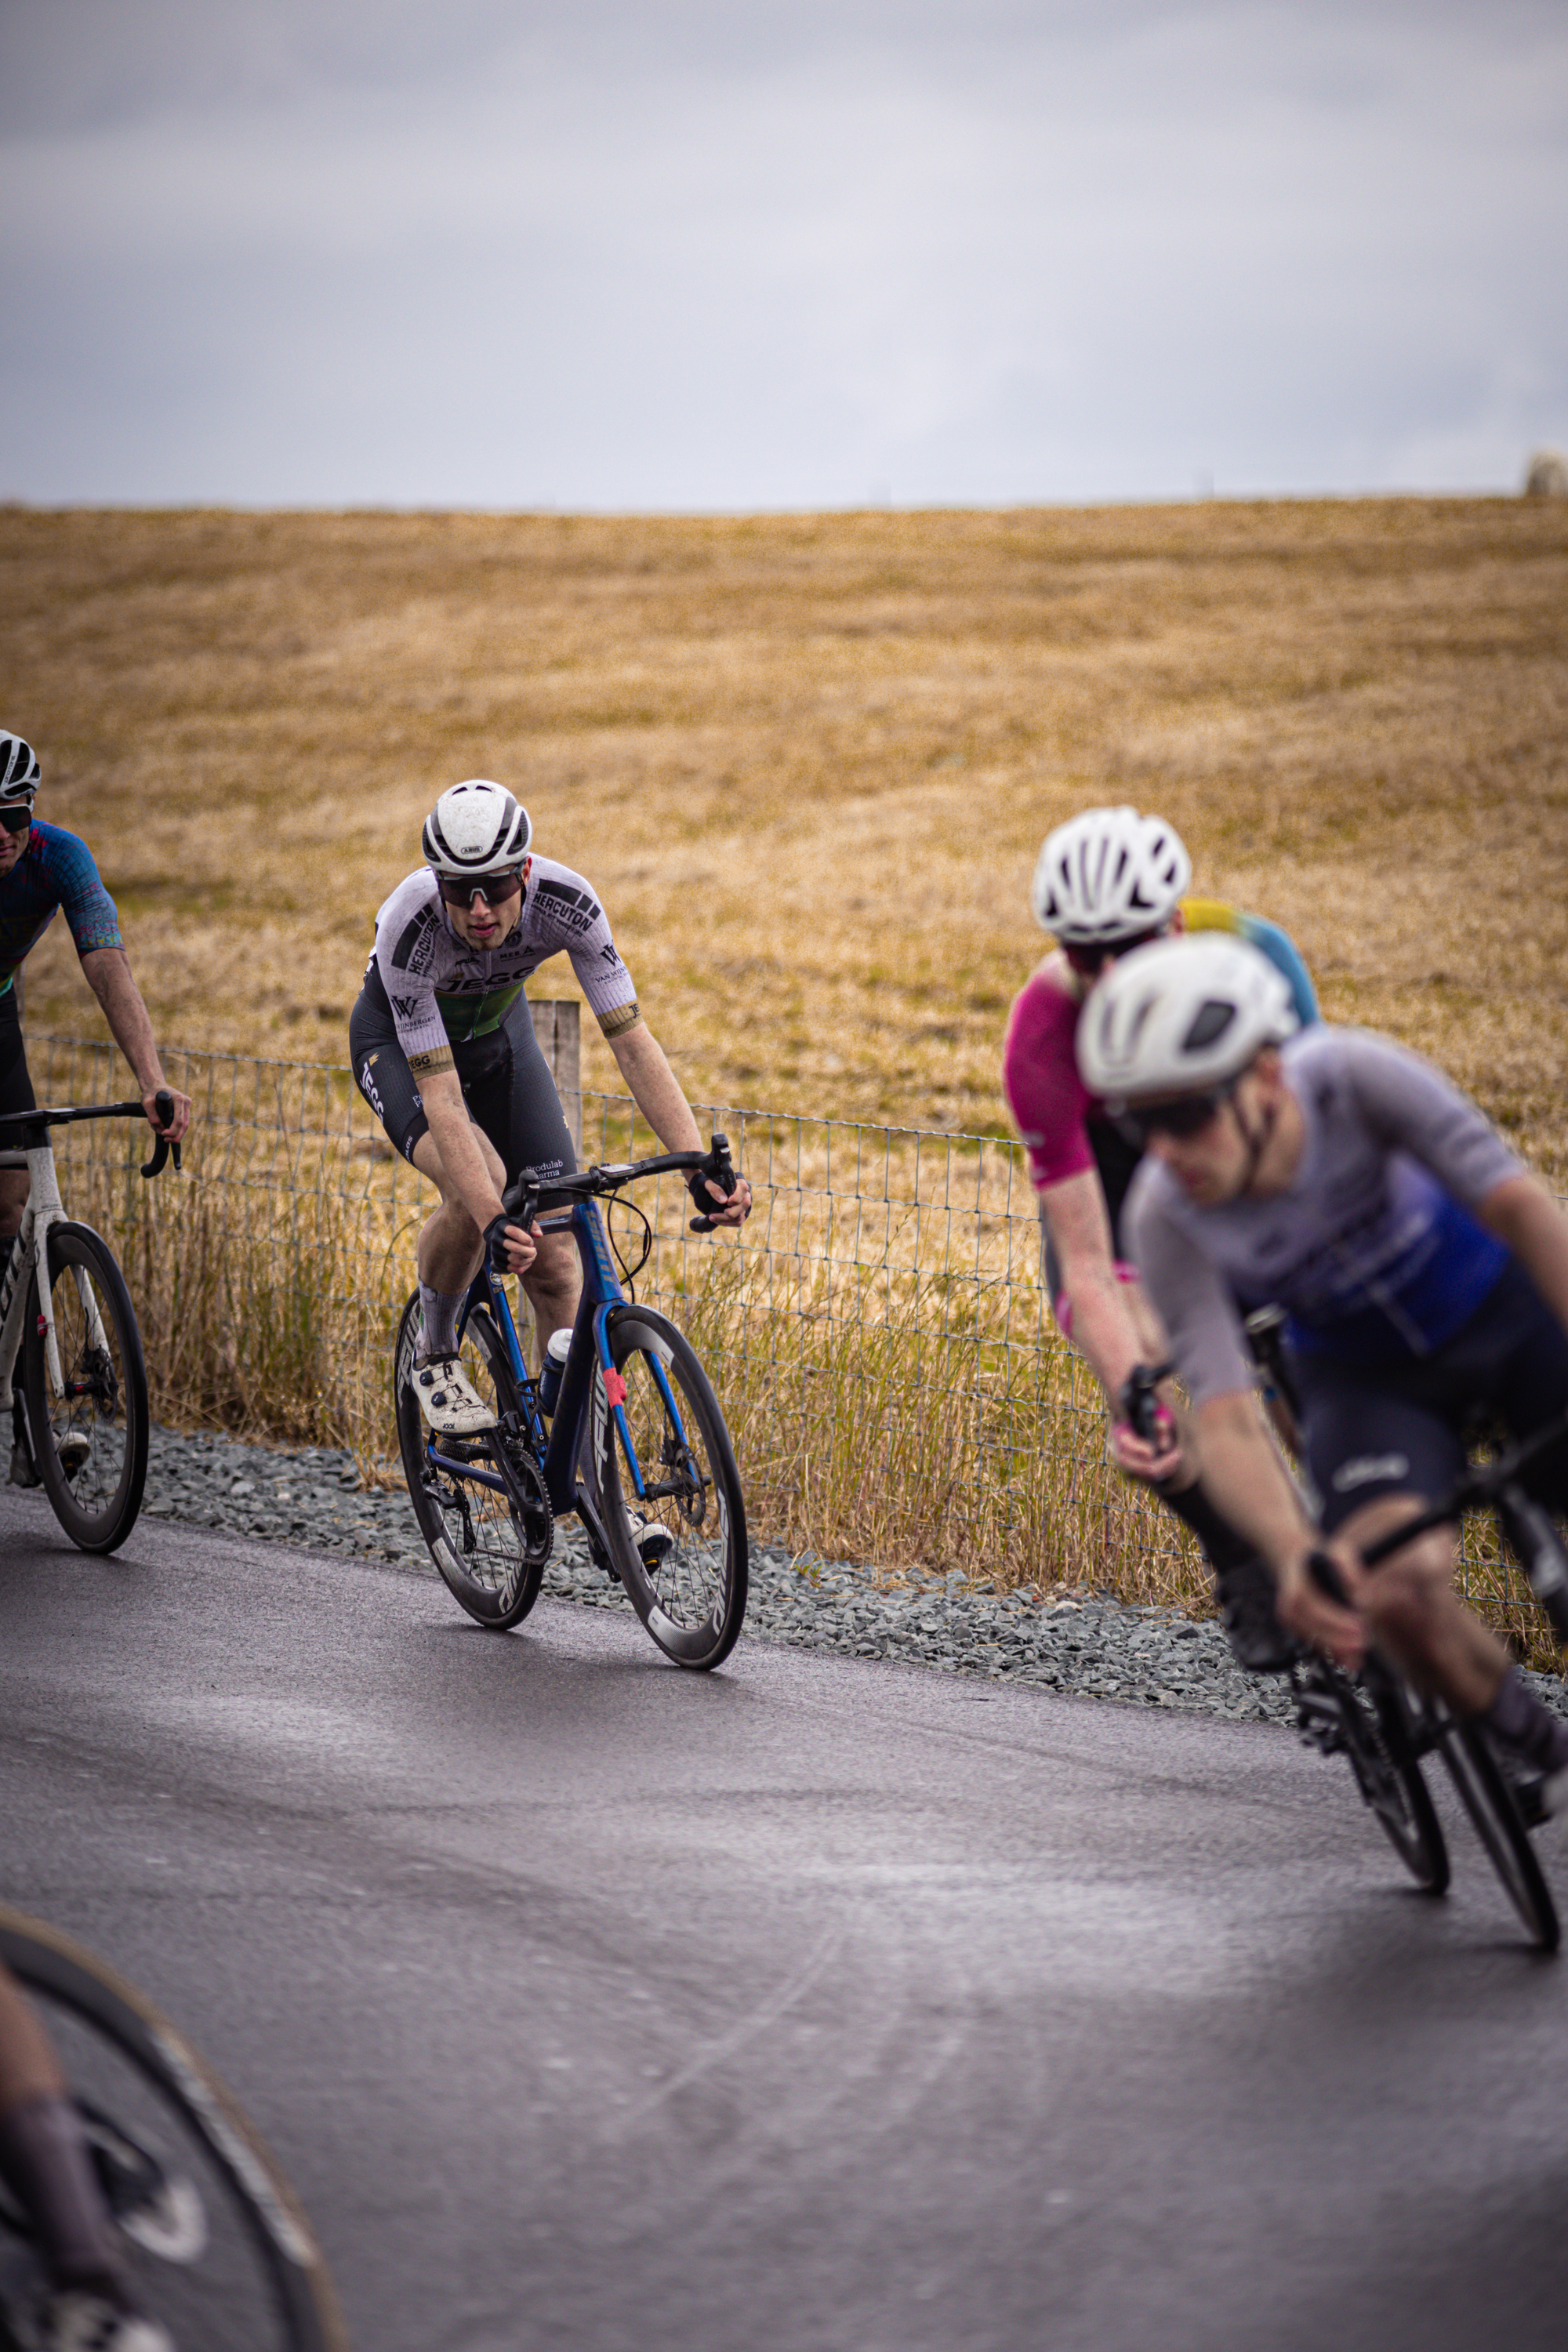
(651, 1539)
(73, 1449)
(80, 2322)
(448, 1400)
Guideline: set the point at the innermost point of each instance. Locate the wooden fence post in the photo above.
(558, 1025)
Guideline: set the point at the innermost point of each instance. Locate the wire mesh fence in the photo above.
(877, 1332)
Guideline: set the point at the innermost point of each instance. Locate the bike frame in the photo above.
(589, 1352)
(45, 1208)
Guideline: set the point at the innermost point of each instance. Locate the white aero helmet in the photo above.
(475, 828)
(18, 768)
(1108, 874)
(1178, 1015)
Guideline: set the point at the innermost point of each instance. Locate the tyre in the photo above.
(218, 2247)
(1499, 1825)
(686, 1573)
(490, 1543)
(89, 1439)
(1390, 1779)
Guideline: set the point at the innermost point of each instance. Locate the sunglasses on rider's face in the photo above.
(1183, 1116)
(495, 889)
(1089, 962)
(16, 817)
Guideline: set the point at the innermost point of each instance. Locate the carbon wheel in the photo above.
(216, 2243)
(88, 1433)
(660, 1450)
(1499, 1825)
(1367, 1720)
(490, 1542)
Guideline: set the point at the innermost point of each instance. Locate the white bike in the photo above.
(65, 1310)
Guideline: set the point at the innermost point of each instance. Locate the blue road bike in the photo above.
(635, 1444)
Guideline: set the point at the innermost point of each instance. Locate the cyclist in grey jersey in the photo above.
(1425, 1272)
(444, 1053)
(445, 989)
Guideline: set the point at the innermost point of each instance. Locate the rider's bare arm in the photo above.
(108, 973)
(463, 1160)
(1246, 1478)
(1113, 1321)
(657, 1092)
(1523, 1213)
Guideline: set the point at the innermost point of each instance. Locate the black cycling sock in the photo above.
(45, 2163)
(1222, 1548)
(440, 1310)
(1517, 1717)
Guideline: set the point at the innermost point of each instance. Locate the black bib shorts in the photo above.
(507, 1085)
(1402, 1428)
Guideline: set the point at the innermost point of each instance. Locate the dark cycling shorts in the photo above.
(507, 1085)
(1401, 1430)
(15, 1086)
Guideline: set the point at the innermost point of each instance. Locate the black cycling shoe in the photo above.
(22, 1471)
(1258, 1642)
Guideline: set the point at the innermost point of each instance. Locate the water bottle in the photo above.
(554, 1364)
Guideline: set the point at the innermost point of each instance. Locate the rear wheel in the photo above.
(217, 2245)
(661, 1453)
(490, 1541)
(90, 1434)
(1492, 1807)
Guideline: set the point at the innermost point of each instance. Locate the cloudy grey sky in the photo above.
(758, 253)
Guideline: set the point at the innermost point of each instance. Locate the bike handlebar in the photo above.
(529, 1191)
(47, 1115)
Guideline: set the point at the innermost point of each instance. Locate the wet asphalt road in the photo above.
(818, 2004)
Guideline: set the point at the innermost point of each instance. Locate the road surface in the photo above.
(817, 2004)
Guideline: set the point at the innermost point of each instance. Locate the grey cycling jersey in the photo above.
(443, 992)
(1371, 1247)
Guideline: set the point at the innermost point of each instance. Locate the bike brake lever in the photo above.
(1325, 1574)
(719, 1170)
(163, 1104)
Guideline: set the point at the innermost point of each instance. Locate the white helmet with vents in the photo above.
(1108, 874)
(18, 768)
(475, 828)
(1181, 1014)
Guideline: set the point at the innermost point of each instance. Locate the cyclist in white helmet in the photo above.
(1424, 1273)
(44, 869)
(1106, 882)
(445, 1055)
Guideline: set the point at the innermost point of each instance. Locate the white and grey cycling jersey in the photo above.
(1371, 1248)
(443, 992)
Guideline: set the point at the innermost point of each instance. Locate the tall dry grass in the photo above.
(809, 760)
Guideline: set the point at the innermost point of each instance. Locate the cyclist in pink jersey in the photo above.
(1106, 882)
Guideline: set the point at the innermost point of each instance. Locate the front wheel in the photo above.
(1492, 1806)
(89, 1428)
(667, 1490)
(489, 1530)
(218, 2250)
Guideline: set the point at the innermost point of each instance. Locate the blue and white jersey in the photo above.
(1372, 1248)
(55, 870)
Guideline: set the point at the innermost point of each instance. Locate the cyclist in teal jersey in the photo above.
(42, 870)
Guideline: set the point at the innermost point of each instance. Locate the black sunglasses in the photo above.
(495, 889)
(1183, 1114)
(1091, 961)
(14, 818)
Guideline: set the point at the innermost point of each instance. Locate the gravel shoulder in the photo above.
(1084, 1644)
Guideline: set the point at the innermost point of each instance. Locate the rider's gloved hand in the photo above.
(508, 1249)
(717, 1171)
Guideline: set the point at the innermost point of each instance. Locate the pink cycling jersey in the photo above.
(1050, 1105)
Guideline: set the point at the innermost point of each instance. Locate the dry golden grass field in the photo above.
(808, 761)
